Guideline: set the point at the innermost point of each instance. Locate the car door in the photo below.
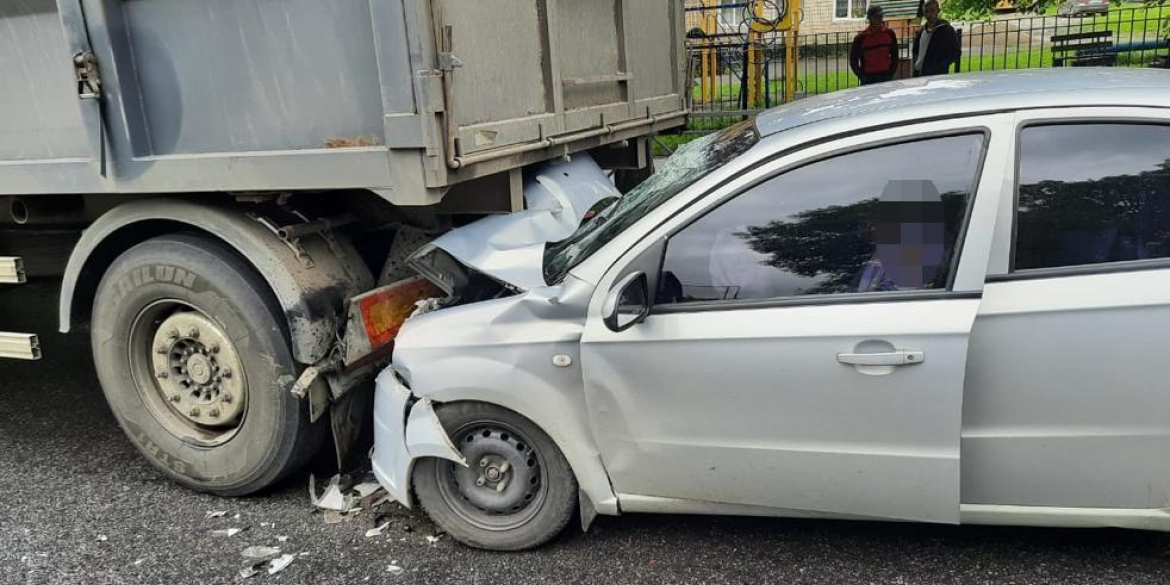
(1067, 404)
(807, 341)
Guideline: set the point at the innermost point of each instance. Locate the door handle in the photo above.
(901, 357)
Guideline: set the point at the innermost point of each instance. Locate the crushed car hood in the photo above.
(510, 248)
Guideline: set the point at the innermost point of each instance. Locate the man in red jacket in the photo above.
(873, 57)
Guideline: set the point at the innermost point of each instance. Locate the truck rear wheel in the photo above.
(193, 357)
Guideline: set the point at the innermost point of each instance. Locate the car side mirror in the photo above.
(627, 303)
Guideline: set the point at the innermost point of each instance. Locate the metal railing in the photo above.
(733, 64)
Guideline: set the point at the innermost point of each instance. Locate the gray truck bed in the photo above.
(402, 97)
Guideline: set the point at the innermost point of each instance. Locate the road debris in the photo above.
(433, 540)
(394, 569)
(227, 531)
(261, 553)
(215, 514)
(332, 498)
(264, 558)
(377, 531)
(279, 564)
(366, 488)
(102, 538)
(282, 538)
(353, 499)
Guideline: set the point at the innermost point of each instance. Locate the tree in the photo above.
(834, 243)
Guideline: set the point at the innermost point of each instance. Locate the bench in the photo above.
(1084, 49)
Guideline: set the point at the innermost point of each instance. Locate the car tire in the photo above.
(193, 356)
(539, 493)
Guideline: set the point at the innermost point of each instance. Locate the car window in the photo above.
(688, 165)
(1091, 194)
(879, 220)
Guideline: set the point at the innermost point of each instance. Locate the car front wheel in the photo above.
(517, 491)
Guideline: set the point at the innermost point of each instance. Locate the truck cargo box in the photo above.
(402, 97)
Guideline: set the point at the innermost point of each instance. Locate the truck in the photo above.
(227, 191)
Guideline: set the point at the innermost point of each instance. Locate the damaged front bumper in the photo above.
(406, 428)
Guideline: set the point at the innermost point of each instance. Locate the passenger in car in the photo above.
(909, 242)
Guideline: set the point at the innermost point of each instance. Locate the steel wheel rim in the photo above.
(474, 492)
(188, 373)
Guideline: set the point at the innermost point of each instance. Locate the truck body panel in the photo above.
(402, 97)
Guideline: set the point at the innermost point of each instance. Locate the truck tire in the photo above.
(193, 357)
(539, 493)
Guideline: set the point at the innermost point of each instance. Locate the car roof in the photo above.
(972, 93)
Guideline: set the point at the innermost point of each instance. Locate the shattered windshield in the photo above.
(686, 166)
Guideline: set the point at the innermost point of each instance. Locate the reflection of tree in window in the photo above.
(870, 221)
(1109, 219)
(834, 244)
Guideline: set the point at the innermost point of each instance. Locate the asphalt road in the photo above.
(78, 506)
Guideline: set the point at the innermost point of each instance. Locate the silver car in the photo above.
(942, 300)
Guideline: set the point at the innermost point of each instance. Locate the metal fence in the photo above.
(734, 75)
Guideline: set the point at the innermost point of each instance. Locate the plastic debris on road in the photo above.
(227, 531)
(343, 503)
(394, 569)
(215, 514)
(261, 553)
(280, 563)
(366, 488)
(264, 558)
(433, 540)
(282, 538)
(332, 498)
(102, 538)
(377, 531)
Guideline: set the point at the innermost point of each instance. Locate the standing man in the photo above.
(873, 57)
(936, 46)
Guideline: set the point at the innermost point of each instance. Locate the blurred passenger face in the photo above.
(910, 239)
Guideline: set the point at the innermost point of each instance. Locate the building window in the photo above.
(850, 9)
(731, 15)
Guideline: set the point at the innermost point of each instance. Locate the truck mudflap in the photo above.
(405, 432)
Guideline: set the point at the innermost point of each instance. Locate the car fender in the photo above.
(407, 432)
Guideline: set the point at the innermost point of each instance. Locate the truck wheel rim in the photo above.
(188, 373)
(504, 484)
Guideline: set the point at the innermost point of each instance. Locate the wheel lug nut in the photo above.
(226, 397)
(162, 375)
(175, 398)
(193, 333)
(173, 334)
(480, 482)
(226, 372)
(483, 462)
(213, 413)
(161, 350)
(194, 412)
(214, 348)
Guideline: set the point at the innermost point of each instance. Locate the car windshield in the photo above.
(691, 162)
